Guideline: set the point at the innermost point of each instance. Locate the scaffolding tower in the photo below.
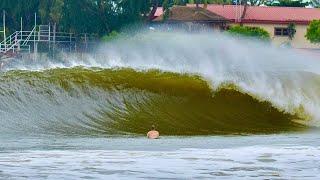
(27, 41)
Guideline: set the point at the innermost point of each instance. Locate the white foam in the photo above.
(252, 162)
(274, 74)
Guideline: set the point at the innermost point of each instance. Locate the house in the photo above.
(275, 20)
(191, 18)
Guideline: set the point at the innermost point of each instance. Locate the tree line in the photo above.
(78, 16)
(101, 17)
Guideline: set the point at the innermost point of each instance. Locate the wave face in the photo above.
(111, 101)
(186, 84)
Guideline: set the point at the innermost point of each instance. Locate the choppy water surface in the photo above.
(287, 156)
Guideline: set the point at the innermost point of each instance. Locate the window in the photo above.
(281, 32)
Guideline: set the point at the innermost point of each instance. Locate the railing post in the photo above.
(35, 48)
(16, 42)
(34, 32)
(21, 24)
(4, 31)
(54, 39)
(39, 32)
(49, 38)
(70, 42)
(86, 42)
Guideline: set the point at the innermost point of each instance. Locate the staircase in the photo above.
(23, 41)
(16, 42)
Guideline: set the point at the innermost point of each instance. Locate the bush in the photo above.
(111, 36)
(254, 32)
(313, 31)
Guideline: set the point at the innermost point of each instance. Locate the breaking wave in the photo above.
(186, 84)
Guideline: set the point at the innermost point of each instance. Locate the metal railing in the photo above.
(22, 40)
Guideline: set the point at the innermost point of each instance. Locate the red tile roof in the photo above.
(261, 14)
(159, 12)
(191, 14)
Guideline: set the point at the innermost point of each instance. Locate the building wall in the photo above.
(299, 41)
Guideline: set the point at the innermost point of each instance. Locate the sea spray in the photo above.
(272, 80)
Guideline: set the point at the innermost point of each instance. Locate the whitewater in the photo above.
(226, 107)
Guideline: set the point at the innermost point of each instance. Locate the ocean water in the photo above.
(226, 108)
(276, 156)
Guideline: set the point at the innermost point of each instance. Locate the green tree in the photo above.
(165, 6)
(288, 3)
(44, 10)
(291, 30)
(252, 32)
(315, 3)
(56, 11)
(177, 2)
(220, 1)
(256, 2)
(313, 31)
(79, 16)
(19, 8)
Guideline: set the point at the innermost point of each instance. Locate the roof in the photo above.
(159, 12)
(263, 14)
(188, 13)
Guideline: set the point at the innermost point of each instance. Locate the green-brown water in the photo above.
(122, 101)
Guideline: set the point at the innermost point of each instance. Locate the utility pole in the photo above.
(4, 30)
(86, 42)
(35, 44)
(49, 38)
(19, 42)
(54, 39)
(21, 24)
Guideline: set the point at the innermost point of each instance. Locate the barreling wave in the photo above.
(186, 84)
(121, 101)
